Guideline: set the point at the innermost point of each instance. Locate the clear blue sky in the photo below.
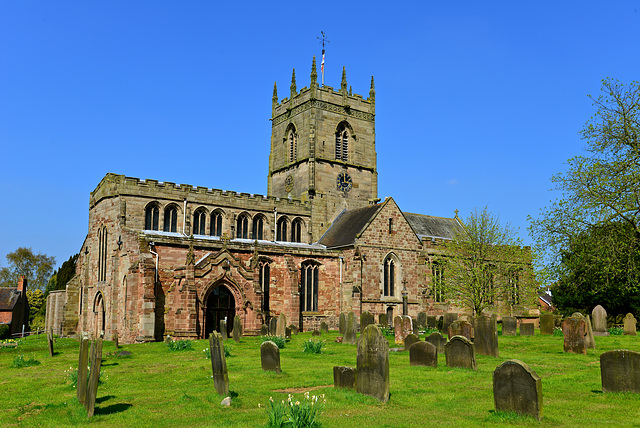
(477, 103)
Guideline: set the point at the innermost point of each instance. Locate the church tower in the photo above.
(323, 149)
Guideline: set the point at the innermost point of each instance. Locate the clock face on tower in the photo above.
(344, 182)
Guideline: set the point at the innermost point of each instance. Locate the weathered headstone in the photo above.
(459, 352)
(460, 328)
(281, 325)
(440, 323)
(546, 324)
(342, 323)
(423, 354)
(509, 326)
(372, 372)
(410, 340)
(589, 341)
(264, 330)
(94, 377)
(437, 340)
(397, 329)
(224, 332)
(620, 371)
(574, 330)
(273, 326)
(287, 333)
(527, 329)
(237, 328)
(344, 377)
(316, 333)
(294, 328)
(422, 319)
(350, 329)
(83, 357)
(431, 321)
(270, 356)
(366, 318)
(50, 342)
(416, 329)
(383, 320)
(599, 321)
(448, 318)
(115, 339)
(629, 325)
(407, 325)
(518, 389)
(486, 336)
(219, 364)
(324, 328)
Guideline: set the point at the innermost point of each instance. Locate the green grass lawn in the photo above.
(158, 387)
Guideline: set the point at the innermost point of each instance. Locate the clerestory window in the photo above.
(171, 219)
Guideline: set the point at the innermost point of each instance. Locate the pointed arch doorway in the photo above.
(220, 304)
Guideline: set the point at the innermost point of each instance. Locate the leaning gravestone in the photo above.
(620, 371)
(574, 330)
(416, 330)
(629, 325)
(589, 341)
(372, 371)
(459, 352)
(437, 340)
(344, 377)
(526, 329)
(264, 330)
(270, 356)
(273, 326)
(342, 323)
(518, 389)
(115, 339)
(546, 324)
(237, 328)
(324, 328)
(50, 342)
(94, 378)
(410, 340)
(397, 329)
(599, 320)
(422, 319)
(486, 336)
(366, 318)
(460, 328)
(219, 364)
(448, 318)
(82, 369)
(383, 320)
(431, 321)
(281, 325)
(509, 326)
(223, 330)
(350, 329)
(423, 354)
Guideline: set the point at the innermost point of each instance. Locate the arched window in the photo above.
(389, 276)
(171, 219)
(216, 224)
(258, 226)
(151, 215)
(102, 254)
(437, 276)
(242, 227)
(292, 138)
(309, 273)
(513, 282)
(265, 276)
(342, 142)
(296, 230)
(199, 220)
(281, 229)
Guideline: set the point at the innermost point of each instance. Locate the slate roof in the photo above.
(427, 226)
(9, 296)
(348, 225)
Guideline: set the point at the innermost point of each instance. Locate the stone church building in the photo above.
(163, 258)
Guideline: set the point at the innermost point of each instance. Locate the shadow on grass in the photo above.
(108, 364)
(595, 391)
(233, 394)
(105, 398)
(113, 408)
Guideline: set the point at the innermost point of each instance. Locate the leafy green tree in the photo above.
(36, 268)
(60, 277)
(485, 264)
(37, 308)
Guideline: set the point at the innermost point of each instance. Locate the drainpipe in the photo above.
(275, 223)
(155, 254)
(184, 216)
(341, 295)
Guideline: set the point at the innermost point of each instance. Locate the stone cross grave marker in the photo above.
(509, 326)
(448, 318)
(350, 329)
(237, 328)
(324, 328)
(459, 352)
(281, 325)
(397, 329)
(546, 324)
(460, 328)
(599, 320)
(273, 326)
(410, 340)
(629, 325)
(423, 354)
(366, 319)
(517, 388)
(270, 356)
(372, 371)
(83, 357)
(219, 364)
(94, 377)
(437, 340)
(486, 336)
(574, 330)
(620, 371)
(344, 377)
(526, 329)
(223, 330)
(342, 323)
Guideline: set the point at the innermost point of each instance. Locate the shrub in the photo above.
(4, 331)
(292, 413)
(179, 345)
(280, 341)
(19, 362)
(313, 346)
(616, 331)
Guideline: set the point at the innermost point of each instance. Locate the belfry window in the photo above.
(258, 227)
(293, 146)
(437, 276)
(342, 143)
(199, 219)
(151, 215)
(242, 227)
(389, 276)
(309, 287)
(216, 224)
(171, 219)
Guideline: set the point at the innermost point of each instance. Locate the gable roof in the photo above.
(9, 296)
(348, 225)
(427, 226)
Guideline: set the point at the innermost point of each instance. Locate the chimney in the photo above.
(22, 284)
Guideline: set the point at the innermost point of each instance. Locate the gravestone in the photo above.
(410, 340)
(437, 340)
(574, 330)
(50, 342)
(294, 328)
(629, 325)
(94, 377)
(115, 339)
(383, 320)
(526, 329)
(219, 364)
(344, 377)
(223, 330)
(397, 329)
(264, 330)
(460, 328)
(416, 330)
(620, 371)
(440, 323)
(372, 371)
(324, 328)
(589, 341)
(423, 354)
(459, 352)
(546, 324)
(422, 319)
(342, 323)
(273, 326)
(366, 318)
(316, 333)
(509, 326)
(287, 333)
(281, 325)
(447, 319)
(237, 328)
(486, 336)
(83, 357)
(599, 321)
(270, 356)
(350, 329)
(407, 326)
(431, 321)
(518, 389)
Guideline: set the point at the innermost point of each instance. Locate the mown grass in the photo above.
(160, 388)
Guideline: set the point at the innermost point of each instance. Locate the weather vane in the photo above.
(323, 40)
